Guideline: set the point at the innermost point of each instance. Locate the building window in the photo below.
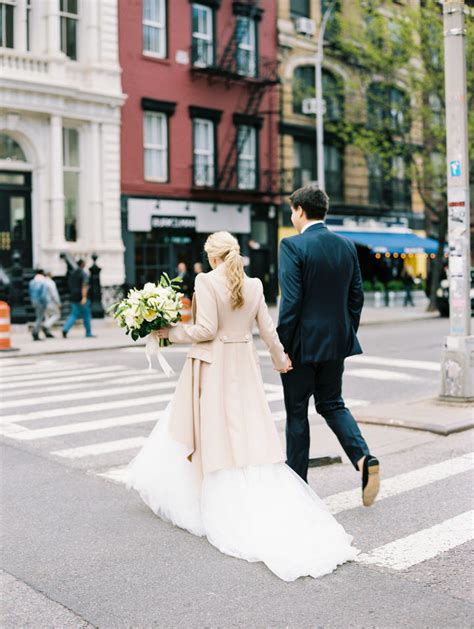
(154, 27)
(333, 173)
(388, 183)
(246, 36)
(71, 175)
(333, 96)
(400, 185)
(69, 19)
(304, 163)
(303, 86)
(300, 8)
(7, 26)
(203, 152)
(389, 106)
(28, 24)
(155, 146)
(436, 109)
(332, 26)
(203, 35)
(247, 160)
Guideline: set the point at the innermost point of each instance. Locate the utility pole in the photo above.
(457, 364)
(319, 98)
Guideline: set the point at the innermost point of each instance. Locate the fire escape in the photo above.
(235, 65)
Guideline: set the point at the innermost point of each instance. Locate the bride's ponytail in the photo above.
(224, 246)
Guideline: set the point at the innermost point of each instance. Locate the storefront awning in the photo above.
(392, 242)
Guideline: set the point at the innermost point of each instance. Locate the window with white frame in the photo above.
(7, 23)
(71, 180)
(69, 25)
(204, 152)
(203, 35)
(247, 157)
(154, 28)
(155, 146)
(246, 35)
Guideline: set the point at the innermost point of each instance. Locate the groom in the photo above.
(321, 303)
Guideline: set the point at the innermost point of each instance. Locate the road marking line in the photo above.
(101, 448)
(18, 361)
(89, 394)
(11, 429)
(32, 367)
(87, 408)
(381, 374)
(57, 376)
(396, 485)
(115, 474)
(422, 545)
(88, 426)
(395, 362)
(118, 378)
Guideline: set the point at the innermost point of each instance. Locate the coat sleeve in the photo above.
(205, 326)
(356, 293)
(291, 286)
(269, 335)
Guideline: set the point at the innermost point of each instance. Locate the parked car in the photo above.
(442, 296)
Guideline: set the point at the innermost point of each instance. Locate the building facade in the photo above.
(363, 197)
(199, 133)
(60, 99)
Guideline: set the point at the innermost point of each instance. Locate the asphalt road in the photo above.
(79, 550)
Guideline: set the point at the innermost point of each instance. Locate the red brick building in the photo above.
(199, 132)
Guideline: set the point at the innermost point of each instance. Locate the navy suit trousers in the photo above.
(323, 381)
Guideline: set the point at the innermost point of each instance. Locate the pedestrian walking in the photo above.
(80, 304)
(187, 283)
(38, 293)
(408, 282)
(53, 308)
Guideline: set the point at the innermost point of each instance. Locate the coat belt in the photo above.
(232, 337)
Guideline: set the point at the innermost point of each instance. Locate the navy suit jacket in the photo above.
(321, 296)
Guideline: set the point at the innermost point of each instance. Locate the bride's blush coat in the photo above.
(220, 412)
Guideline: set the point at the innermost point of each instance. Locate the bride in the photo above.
(214, 464)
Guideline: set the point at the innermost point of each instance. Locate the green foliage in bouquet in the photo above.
(154, 307)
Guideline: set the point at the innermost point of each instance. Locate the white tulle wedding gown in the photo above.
(258, 513)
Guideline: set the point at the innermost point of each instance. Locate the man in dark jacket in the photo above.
(321, 304)
(80, 304)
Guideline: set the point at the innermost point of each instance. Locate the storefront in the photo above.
(160, 233)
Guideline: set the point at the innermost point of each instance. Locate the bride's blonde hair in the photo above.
(224, 246)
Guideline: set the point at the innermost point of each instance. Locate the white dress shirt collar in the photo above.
(310, 224)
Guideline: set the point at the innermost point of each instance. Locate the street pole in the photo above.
(319, 99)
(457, 365)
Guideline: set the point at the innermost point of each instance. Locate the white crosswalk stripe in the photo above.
(402, 363)
(101, 448)
(422, 545)
(381, 374)
(64, 375)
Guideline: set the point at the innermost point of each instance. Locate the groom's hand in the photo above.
(289, 366)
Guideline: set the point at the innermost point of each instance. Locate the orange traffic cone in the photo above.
(186, 311)
(5, 328)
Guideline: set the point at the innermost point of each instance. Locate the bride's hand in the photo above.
(163, 333)
(289, 367)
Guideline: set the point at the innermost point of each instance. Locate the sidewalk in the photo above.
(110, 336)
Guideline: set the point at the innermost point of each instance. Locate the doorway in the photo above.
(15, 218)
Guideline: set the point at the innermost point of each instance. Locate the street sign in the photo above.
(455, 167)
(310, 106)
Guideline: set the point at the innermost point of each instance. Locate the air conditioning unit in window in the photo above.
(305, 26)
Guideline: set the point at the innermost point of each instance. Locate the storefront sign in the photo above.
(173, 222)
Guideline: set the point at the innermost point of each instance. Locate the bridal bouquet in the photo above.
(154, 307)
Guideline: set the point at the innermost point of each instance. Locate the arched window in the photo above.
(10, 149)
(333, 95)
(303, 86)
(388, 106)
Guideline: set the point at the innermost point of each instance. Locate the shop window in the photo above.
(154, 28)
(203, 35)
(71, 180)
(69, 22)
(155, 146)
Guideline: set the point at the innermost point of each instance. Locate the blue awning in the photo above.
(392, 242)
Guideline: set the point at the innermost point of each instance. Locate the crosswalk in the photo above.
(96, 417)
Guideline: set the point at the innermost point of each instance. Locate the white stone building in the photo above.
(60, 100)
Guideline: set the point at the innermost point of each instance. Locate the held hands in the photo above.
(289, 366)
